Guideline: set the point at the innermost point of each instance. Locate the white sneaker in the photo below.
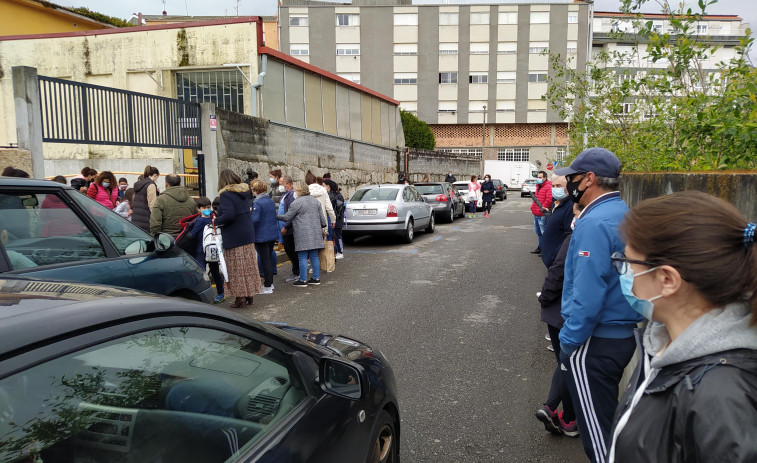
(267, 290)
(339, 255)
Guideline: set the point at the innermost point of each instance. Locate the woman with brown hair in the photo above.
(690, 268)
(145, 194)
(238, 237)
(104, 189)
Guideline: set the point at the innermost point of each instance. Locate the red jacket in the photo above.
(102, 195)
(544, 195)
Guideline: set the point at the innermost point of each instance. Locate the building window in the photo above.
(476, 152)
(572, 17)
(657, 27)
(448, 19)
(351, 76)
(348, 20)
(348, 49)
(505, 106)
(507, 48)
(624, 109)
(540, 17)
(406, 19)
(224, 88)
(572, 46)
(560, 155)
(537, 77)
(507, 77)
(447, 48)
(538, 47)
(447, 77)
(479, 18)
(513, 154)
(405, 78)
(299, 49)
(406, 49)
(481, 78)
(479, 48)
(447, 106)
(702, 29)
(508, 18)
(298, 20)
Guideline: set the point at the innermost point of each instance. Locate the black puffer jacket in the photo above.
(550, 298)
(700, 410)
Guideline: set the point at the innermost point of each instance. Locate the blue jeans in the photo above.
(315, 262)
(539, 222)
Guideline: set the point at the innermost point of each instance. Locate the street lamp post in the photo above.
(483, 144)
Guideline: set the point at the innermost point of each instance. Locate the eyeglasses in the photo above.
(621, 262)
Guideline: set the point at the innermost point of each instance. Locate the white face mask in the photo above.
(272, 180)
(295, 195)
(281, 188)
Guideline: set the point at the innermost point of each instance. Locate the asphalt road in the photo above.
(455, 313)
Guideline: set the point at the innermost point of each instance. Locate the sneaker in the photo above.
(549, 347)
(546, 336)
(300, 283)
(549, 418)
(568, 429)
(536, 251)
(338, 255)
(267, 290)
(291, 278)
(314, 282)
(219, 298)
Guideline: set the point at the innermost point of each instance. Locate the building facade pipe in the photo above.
(258, 84)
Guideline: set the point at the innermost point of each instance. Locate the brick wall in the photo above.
(502, 135)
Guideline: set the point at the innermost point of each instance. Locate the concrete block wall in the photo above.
(436, 165)
(18, 158)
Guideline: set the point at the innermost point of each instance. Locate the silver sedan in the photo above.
(387, 209)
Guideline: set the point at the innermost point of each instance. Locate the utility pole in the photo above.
(483, 145)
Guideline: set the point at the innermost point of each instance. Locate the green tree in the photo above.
(672, 117)
(417, 133)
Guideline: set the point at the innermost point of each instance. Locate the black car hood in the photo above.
(342, 345)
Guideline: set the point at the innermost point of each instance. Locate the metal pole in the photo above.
(483, 145)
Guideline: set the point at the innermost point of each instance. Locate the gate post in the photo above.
(209, 150)
(28, 107)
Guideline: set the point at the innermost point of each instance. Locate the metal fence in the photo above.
(75, 112)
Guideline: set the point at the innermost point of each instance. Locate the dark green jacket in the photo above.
(171, 206)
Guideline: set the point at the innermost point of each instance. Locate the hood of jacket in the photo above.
(236, 188)
(718, 330)
(178, 193)
(317, 190)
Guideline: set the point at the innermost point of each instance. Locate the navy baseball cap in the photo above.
(602, 162)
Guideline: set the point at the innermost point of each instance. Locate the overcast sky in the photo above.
(747, 9)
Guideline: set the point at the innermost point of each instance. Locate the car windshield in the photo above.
(530, 182)
(461, 186)
(375, 194)
(429, 189)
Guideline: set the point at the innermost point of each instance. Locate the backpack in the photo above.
(340, 208)
(187, 241)
(211, 237)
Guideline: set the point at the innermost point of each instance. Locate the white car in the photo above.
(529, 186)
(462, 187)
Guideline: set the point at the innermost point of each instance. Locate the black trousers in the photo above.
(215, 272)
(291, 253)
(264, 254)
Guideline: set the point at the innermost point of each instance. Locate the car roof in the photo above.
(35, 311)
(31, 182)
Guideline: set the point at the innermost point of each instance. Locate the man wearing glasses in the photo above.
(597, 339)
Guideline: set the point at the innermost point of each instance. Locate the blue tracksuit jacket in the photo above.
(592, 303)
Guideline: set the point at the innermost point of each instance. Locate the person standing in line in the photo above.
(542, 201)
(557, 223)
(251, 176)
(597, 338)
(82, 181)
(124, 207)
(145, 194)
(104, 190)
(487, 196)
(306, 214)
(238, 236)
(170, 207)
(287, 229)
(693, 396)
(123, 185)
(337, 202)
(266, 231)
(450, 178)
(198, 230)
(473, 191)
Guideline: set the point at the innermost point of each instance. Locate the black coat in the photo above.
(700, 410)
(140, 215)
(488, 186)
(337, 202)
(555, 229)
(234, 216)
(450, 178)
(551, 291)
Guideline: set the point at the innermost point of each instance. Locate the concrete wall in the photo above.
(18, 158)
(436, 165)
(736, 188)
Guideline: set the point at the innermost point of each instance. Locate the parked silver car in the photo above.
(529, 186)
(387, 209)
(462, 187)
(446, 202)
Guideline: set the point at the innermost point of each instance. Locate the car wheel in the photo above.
(383, 441)
(407, 236)
(349, 239)
(462, 212)
(431, 224)
(451, 217)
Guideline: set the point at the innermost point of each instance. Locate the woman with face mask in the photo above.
(487, 195)
(690, 268)
(104, 189)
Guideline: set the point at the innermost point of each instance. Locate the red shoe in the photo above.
(568, 429)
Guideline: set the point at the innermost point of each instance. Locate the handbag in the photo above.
(326, 256)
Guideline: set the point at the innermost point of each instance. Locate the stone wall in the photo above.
(436, 165)
(739, 189)
(18, 158)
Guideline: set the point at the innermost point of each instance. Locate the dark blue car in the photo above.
(50, 231)
(92, 373)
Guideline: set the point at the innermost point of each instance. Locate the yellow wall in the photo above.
(271, 34)
(19, 17)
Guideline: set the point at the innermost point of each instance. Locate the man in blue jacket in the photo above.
(597, 338)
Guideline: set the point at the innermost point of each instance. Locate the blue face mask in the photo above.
(106, 184)
(644, 307)
(539, 181)
(558, 193)
(205, 212)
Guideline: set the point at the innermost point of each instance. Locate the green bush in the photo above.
(417, 133)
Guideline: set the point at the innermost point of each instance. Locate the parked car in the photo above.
(446, 202)
(462, 187)
(529, 186)
(92, 373)
(51, 231)
(387, 209)
(500, 189)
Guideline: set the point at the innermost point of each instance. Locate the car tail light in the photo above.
(442, 198)
(499, 187)
(391, 211)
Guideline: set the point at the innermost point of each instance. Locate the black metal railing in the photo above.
(75, 112)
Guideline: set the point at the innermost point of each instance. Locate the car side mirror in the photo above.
(341, 378)
(163, 242)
